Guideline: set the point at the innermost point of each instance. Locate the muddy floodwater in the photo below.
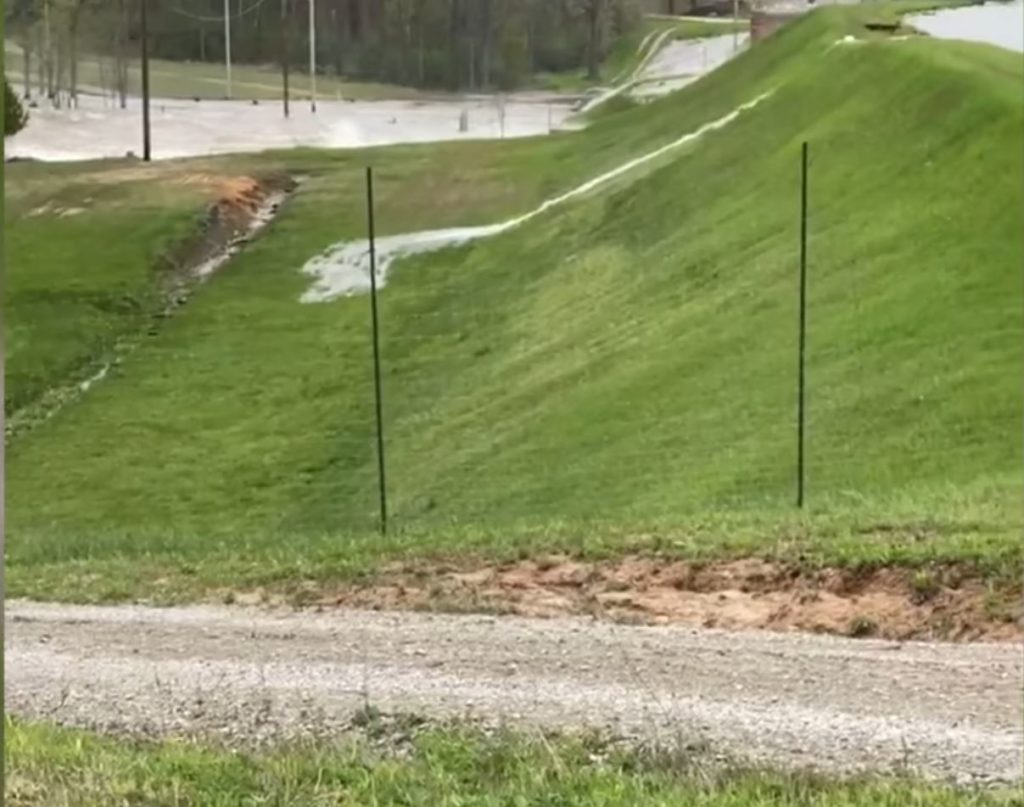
(99, 128)
(195, 128)
(1000, 24)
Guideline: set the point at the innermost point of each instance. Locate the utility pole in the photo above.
(144, 34)
(47, 63)
(312, 55)
(227, 43)
(735, 25)
(284, 53)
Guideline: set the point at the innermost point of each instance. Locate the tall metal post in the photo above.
(144, 35)
(802, 383)
(47, 62)
(312, 55)
(227, 44)
(284, 54)
(735, 25)
(381, 477)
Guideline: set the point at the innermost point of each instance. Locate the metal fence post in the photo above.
(381, 478)
(802, 372)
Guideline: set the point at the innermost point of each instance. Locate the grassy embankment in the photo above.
(618, 374)
(439, 767)
(87, 253)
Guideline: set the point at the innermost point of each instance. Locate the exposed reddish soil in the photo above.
(236, 203)
(239, 198)
(946, 603)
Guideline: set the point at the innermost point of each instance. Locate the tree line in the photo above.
(453, 44)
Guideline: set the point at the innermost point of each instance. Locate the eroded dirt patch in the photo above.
(947, 603)
(241, 206)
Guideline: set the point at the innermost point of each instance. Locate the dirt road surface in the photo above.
(246, 675)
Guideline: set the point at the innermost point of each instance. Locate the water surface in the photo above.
(1000, 24)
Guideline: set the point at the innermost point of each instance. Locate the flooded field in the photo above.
(195, 128)
(1000, 24)
(98, 128)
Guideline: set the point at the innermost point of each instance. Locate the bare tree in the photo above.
(455, 43)
(22, 22)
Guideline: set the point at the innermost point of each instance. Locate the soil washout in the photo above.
(242, 206)
(946, 603)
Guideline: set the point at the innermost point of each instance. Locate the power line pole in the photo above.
(312, 55)
(47, 63)
(735, 25)
(284, 53)
(227, 43)
(144, 33)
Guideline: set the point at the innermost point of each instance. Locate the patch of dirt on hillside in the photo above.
(241, 207)
(946, 603)
(241, 203)
(239, 199)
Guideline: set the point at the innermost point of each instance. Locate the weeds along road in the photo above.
(947, 711)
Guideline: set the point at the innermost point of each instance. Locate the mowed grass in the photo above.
(617, 374)
(450, 766)
(85, 250)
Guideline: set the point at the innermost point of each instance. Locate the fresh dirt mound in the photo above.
(946, 603)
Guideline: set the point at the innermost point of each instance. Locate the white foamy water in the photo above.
(692, 58)
(669, 67)
(344, 269)
(98, 128)
(190, 129)
(1000, 24)
(96, 377)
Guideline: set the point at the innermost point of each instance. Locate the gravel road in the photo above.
(942, 711)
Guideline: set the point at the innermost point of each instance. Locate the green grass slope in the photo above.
(70, 296)
(621, 367)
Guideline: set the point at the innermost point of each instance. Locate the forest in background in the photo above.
(451, 44)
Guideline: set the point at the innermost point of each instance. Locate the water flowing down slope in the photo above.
(617, 372)
(345, 268)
